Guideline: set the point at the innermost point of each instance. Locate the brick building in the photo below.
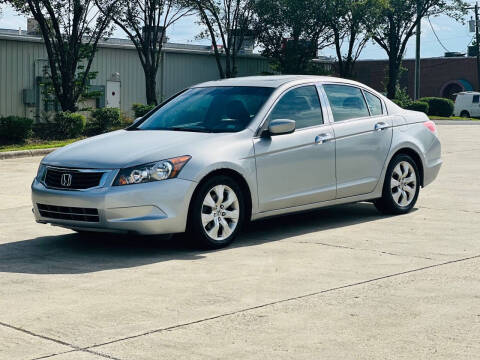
(442, 76)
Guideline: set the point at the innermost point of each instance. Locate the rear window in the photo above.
(476, 99)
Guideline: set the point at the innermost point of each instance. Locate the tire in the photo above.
(465, 114)
(216, 217)
(401, 186)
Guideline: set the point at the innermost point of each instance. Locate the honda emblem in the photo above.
(66, 180)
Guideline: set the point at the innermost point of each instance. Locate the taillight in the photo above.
(430, 125)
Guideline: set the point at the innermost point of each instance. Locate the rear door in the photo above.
(475, 106)
(299, 168)
(363, 136)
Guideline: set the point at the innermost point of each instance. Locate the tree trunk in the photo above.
(151, 86)
(393, 78)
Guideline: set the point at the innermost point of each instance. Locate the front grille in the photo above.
(68, 213)
(77, 180)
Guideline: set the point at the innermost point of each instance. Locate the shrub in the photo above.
(70, 125)
(47, 131)
(140, 110)
(402, 98)
(439, 106)
(14, 129)
(419, 106)
(103, 120)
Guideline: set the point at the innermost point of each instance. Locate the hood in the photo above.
(122, 148)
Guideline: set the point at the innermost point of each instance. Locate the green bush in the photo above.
(104, 120)
(140, 110)
(70, 125)
(47, 131)
(14, 129)
(419, 106)
(439, 106)
(402, 98)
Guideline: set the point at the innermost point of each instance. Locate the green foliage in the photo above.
(103, 120)
(402, 98)
(291, 32)
(140, 110)
(14, 129)
(421, 106)
(397, 26)
(439, 106)
(70, 125)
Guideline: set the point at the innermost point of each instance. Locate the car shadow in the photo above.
(74, 254)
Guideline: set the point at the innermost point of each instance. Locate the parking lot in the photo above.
(338, 283)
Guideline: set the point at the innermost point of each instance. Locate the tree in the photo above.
(352, 22)
(71, 30)
(145, 22)
(399, 19)
(291, 32)
(227, 24)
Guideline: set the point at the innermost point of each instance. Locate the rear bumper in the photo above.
(150, 208)
(433, 162)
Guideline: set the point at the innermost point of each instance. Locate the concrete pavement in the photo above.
(338, 283)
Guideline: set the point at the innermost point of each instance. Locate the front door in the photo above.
(363, 136)
(299, 168)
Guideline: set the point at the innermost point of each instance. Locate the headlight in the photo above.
(160, 170)
(41, 172)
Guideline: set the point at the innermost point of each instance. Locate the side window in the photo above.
(374, 104)
(476, 99)
(300, 104)
(346, 102)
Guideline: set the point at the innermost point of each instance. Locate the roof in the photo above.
(22, 35)
(272, 81)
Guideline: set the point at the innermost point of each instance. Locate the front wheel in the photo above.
(401, 186)
(217, 213)
(465, 114)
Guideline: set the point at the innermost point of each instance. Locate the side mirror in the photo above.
(281, 127)
(137, 120)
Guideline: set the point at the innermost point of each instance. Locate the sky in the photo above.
(454, 35)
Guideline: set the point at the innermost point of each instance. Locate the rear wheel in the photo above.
(217, 213)
(401, 186)
(465, 114)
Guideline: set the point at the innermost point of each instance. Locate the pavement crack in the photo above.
(74, 348)
(459, 210)
(362, 249)
(186, 324)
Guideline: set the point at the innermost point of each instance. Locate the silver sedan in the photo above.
(224, 152)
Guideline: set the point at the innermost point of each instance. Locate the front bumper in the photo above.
(150, 208)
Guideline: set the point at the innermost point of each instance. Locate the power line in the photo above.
(434, 33)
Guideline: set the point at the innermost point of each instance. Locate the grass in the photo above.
(33, 144)
(452, 118)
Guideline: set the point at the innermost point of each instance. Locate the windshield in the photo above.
(209, 109)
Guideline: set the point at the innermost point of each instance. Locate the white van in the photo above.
(467, 104)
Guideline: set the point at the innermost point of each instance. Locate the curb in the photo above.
(25, 153)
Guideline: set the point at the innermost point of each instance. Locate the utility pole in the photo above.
(477, 40)
(416, 95)
(477, 37)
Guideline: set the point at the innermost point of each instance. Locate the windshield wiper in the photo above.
(192, 129)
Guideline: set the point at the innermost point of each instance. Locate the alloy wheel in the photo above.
(220, 212)
(403, 183)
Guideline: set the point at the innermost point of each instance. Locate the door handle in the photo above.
(381, 126)
(323, 138)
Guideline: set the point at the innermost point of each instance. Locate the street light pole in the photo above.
(416, 95)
